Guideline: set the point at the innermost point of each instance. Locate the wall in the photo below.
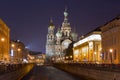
(90, 74)
(18, 74)
(4, 41)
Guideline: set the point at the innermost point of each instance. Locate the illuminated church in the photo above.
(57, 42)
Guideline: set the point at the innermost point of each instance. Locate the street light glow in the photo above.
(95, 53)
(2, 39)
(13, 45)
(19, 49)
(111, 50)
(70, 56)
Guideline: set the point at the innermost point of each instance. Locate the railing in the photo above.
(6, 68)
(102, 67)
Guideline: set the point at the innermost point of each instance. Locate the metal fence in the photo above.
(102, 67)
(6, 68)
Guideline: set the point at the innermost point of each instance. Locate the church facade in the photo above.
(57, 42)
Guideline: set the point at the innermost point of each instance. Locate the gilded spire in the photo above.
(51, 22)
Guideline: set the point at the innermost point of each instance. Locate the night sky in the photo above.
(28, 20)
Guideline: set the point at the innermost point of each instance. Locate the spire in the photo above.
(65, 15)
(51, 22)
(66, 9)
(74, 35)
(74, 29)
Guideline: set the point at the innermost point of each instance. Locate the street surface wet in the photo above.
(49, 73)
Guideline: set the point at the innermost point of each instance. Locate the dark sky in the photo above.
(28, 20)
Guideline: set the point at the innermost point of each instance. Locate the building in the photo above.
(4, 42)
(36, 57)
(58, 42)
(18, 51)
(40, 59)
(69, 52)
(111, 41)
(88, 48)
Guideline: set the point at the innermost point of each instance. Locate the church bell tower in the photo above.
(50, 44)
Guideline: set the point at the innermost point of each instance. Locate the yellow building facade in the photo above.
(17, 51)
(4, 41)
(111, 41)
(88, 48)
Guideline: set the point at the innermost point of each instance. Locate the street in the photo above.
(49, 73)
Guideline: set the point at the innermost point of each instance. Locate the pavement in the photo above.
(49, 73)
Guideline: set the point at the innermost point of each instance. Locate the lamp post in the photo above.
(12, 45)
(111, 51)
(12, 52)
(95, 56)
(66, 57)
(18, 55)
(2, 40)
(71, 57)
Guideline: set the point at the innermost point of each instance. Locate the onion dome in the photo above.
(51, 25)
(74, 36)
(65, 13)
(59, 34)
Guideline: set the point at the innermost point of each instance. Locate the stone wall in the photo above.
(90, 74)
(18, 74)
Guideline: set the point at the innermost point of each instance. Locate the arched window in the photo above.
(66, 33)
(51, 37)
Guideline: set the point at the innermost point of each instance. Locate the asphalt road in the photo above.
(49, 73)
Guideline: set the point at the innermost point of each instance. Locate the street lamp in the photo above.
(111, 51)
(71, 57)
(2, 40)
(66, 57)
(12, 52)
(19, 49)
(19, 55)
(95, 56)
(12, 45)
